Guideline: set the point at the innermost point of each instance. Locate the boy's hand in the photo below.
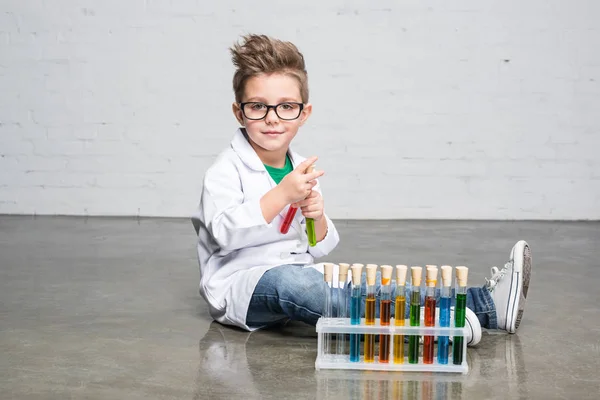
(297, 185)
(312, 206)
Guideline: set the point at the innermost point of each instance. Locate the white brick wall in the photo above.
(429, 109)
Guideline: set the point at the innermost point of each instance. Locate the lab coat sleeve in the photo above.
(331, 238)
(328, 243)
(232, 221)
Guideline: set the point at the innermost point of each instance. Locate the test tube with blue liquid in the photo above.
(445, 299)
(355, 310)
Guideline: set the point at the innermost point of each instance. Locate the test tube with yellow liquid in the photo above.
(370, 312)
(385, 307)
(399, 317)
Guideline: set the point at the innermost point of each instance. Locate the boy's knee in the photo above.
(302, 286)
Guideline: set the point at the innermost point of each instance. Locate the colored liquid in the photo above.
(384, 340)
(459, 322)
(310, 231)
(355, 320)
(370, 320)
(287, 221)
(415, 320)
(444, 321)
(370, 310)
(399, 339)
(429, 321)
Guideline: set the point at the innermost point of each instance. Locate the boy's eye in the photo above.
(286, 106)
(257, 106)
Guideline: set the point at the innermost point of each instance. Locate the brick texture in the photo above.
(430, 109)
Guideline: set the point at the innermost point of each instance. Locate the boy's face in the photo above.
(271, 133)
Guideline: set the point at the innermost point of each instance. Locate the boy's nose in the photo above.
(271, 116)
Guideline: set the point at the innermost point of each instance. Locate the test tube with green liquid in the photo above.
(415, 314)
(310, 223)
(459, 313)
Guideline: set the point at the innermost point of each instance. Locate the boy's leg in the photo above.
(295, 292)
(287, 292)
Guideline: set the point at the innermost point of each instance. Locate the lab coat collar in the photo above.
(244, 150)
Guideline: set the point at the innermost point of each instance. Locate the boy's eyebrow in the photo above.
(256, 99)
(281, 100)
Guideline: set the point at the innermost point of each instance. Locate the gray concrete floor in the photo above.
(105, 308)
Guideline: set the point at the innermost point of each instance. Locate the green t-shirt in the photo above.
(279, 173)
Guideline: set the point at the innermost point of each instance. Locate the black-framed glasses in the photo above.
(287, 111)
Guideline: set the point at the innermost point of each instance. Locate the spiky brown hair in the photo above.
(261, 54)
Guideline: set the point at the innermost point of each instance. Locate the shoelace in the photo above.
(497, 275)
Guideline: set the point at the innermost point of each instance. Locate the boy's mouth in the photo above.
(272, 133)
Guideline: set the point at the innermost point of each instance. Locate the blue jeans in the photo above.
(298, 293)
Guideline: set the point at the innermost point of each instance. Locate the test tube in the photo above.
(385, 308)
(355, 310)
(428, 342)
(342, 305)
(459, 313)
(444, 313)
(310, 223)
(370, 312)
(415, 314)
(328, 276)
(400, 312)
(287, 221)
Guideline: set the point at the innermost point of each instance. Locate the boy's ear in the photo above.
(238, 113)
(306, 111)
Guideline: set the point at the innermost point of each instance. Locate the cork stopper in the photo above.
(401, 275)
(461, 276)
(415, 273)
(386, 274)
(328, 275)
(371, 274)
(356, 273)
(343, 273)
(446, 275)
(432, 272)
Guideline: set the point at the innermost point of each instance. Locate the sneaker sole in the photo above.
(526, 276)
(475, 332)
(519, 285)
(470, 321)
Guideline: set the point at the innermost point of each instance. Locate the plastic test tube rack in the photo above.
(327, 326)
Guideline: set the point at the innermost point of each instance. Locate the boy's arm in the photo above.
(232, 222)
(272, 203)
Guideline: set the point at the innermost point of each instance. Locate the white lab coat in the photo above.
(235, 244)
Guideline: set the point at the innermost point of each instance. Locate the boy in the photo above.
(253, 276)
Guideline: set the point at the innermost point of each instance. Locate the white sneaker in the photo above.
(471, 321)
(509, 285)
